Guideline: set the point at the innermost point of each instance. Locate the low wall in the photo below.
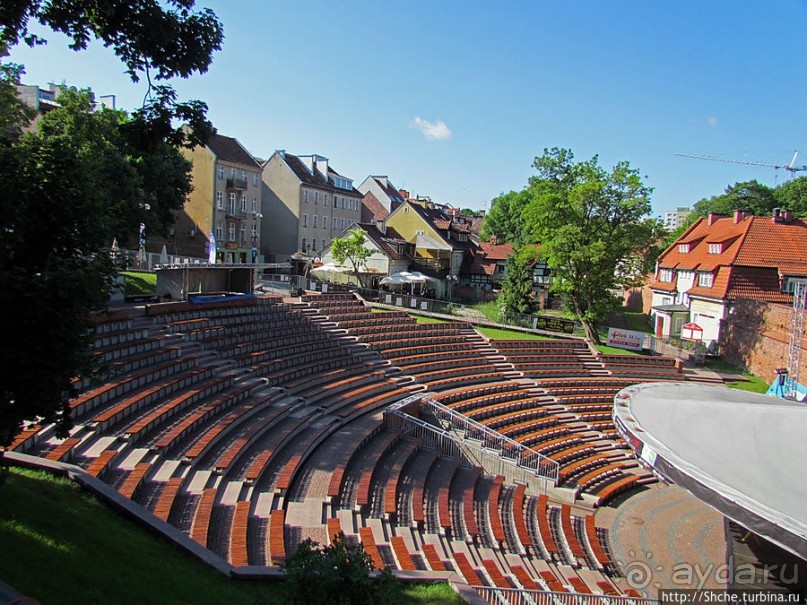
(757, 336)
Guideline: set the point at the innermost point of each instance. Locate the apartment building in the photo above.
(306, 205)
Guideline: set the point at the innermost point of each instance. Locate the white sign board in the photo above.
(625, 339)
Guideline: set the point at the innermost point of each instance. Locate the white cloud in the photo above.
(712, 121)
(434, 131)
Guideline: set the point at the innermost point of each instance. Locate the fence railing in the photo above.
(694, 353)
(490, 440)
(494, 453)
(141, 260)
(514, 596)
(416, 302)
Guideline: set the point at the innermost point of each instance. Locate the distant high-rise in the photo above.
(674, 220)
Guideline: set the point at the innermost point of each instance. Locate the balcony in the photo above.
(236, 183)
(431, 267)
(236, 214)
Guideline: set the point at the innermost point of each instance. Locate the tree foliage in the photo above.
(589, 224)
(352, 248)
(504, 221)
(338, 573)
(77, 178)
(517, 295)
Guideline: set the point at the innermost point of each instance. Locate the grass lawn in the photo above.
(500, 334)
(751, 383)
(425, 319)
(614, 350)
(489, 309)
(638, 321)
(61, 545)
(138, 283)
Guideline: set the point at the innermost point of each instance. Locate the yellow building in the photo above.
(224, 209)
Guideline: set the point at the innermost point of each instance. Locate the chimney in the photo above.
(777, 215)
(713, 216)
(739, 216)
(404, 194)
(786, 216)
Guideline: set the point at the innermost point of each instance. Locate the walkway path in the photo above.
(663, 537)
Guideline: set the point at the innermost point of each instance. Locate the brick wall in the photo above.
(757, 336)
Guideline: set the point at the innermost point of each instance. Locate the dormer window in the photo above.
(706, 279)
(666, 276)
(683, 248)
(715, 248)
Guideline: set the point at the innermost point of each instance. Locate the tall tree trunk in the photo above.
(591, 331)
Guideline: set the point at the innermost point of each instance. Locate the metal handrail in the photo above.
(517, 596)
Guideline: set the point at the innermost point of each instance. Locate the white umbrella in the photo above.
(164, 256)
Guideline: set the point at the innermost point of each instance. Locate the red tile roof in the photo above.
(757, 283)
(756, 253)
(485, 257)
(782, 245)
(372, 209)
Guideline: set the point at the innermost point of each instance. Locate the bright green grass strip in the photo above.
(439, 593)
(138, 283)
(61, 545)
(751, 383)
(500, 334)
(614, 350)
(425, 319)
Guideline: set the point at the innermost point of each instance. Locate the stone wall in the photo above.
(757, 336)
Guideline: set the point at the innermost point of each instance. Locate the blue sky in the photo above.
(454, 99)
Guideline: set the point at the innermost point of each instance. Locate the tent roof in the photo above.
(742, 453)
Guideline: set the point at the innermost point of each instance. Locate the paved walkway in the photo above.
(663, 537)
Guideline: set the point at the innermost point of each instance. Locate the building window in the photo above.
(219, 232)
(232, 203)
(715, 248)
(303, 245)
(305, 195)
(255, 179)
(220, 172)
(254, 204)
(314, 244)
(305, 220)
(233, 173)
(316, 221)
(231, 232)
(316, 197)
(406, 209)
(666, 275)
(343, 203)
(244, 175)
(324, 222)
(243, 202)
(220, 200)
(789, 284)
(683, 248)
(325, 199)
(243, 235)
(254, 233)
(705, 280)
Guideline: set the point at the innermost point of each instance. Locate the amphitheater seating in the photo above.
(250, 405)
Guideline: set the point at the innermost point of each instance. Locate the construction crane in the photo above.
(791, 167)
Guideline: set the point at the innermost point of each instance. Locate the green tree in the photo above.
(338, 573)
(793, 196)
(517, 295)
(352, 248)
(750, 196)
(589, 224)
(79, 178)
(504, 221)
